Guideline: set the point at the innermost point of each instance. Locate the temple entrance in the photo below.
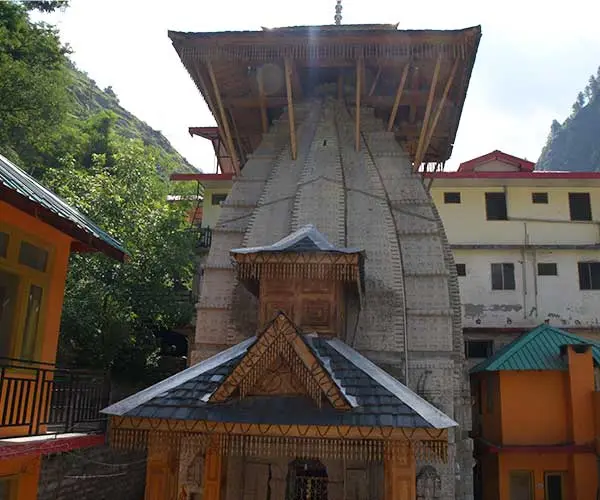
(306, 480)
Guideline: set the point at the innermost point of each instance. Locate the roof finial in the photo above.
(338, 13)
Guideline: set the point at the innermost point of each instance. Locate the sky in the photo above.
(533, 59)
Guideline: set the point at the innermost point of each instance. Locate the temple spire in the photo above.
(338, 12)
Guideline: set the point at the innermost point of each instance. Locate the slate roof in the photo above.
(306, 239)
(538, 349)
(378, 399)
(25, 193)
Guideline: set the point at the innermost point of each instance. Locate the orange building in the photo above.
(534, 421)
(43, 409)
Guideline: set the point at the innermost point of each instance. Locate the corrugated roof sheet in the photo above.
(378, 399)
(20, 183)
(538, 349)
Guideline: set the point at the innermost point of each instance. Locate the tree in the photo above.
(112, 311)
(594, 86)
(33, 87)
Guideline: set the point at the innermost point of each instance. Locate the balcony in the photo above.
(40, 398)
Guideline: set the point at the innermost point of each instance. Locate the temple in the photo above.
(328, 360)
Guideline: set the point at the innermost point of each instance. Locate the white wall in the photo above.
(536, 298)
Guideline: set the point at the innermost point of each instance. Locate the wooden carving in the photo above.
(278, 380)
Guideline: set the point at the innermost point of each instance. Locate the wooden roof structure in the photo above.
(416, 80)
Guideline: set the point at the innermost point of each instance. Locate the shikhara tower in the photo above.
(329, 229)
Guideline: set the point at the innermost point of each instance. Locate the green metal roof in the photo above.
(538, 349)
(25, 193)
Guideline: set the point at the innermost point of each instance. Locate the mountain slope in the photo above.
(575, 144)
(90, 99)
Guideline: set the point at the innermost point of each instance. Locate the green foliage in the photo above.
(574, 145)
(113, 311)
(63, 129)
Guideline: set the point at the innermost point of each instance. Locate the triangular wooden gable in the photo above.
(280, 341)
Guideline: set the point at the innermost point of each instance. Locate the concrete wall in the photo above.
(536, 299)
(98, 473)
(528, 223)
(210, 212)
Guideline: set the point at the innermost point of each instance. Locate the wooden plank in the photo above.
(439, 109)
(436, 73)
(359, 68)
(263, 102)
(290, 104)
(213, 471)
(398, 97)
(223, 115)
(375, 81)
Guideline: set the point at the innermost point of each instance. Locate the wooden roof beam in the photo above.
(263, 102)
(398, 97)
(419, 153)
(359, 77)
(290, 104)
(223, 115)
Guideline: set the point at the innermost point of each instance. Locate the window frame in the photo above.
(490, 348)
(587, 263)
(563, 483)
(489, 195)
(515, 472)
(538, 270)
(212, 198)
(452, 198)
(540, 198)
(13, 485)
(510, 265)
(27, 276)
(461, 269)
(589, 214)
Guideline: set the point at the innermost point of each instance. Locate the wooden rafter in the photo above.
(281, 339)
(290, 104)
(224, 120)
(359, 77)
(436, 73)
(398, 97)
(440, 107)
(263, 102)
(375, 81)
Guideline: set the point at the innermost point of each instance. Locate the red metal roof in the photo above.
(512, 175)
(213, 135)
(201, 177)
(522, 164)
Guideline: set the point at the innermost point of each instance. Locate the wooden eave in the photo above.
(234, 57)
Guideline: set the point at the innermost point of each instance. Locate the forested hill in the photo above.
(575, 144)
(90, 100)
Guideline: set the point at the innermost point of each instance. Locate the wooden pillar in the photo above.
(213, 472)
(400, 474)
(161, 469)
(359, 77)
(290, 101)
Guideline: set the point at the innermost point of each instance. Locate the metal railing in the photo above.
(38, 398)
(204, 238)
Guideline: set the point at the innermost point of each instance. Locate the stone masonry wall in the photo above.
(97, 473)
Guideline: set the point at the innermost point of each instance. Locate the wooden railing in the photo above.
(39, 398)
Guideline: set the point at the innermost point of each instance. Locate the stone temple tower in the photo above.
(329, 127)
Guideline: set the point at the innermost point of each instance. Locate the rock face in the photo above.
(410, 319)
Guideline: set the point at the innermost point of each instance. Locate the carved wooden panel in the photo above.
(313, 305)
(278, 379)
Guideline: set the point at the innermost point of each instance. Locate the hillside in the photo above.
(575, 144)
(90, 99)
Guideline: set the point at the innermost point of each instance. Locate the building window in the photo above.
(3, 244)
(218, 198)
(461, 269)
(306, 480)
(580, 207)
(8, 490)
(521, 485)
(24, 277)
(451, 197)
(503, 276)
(539, 198)
(480, 349)
(589, 275)
(495, 206)
(555, 485)
(547, 269)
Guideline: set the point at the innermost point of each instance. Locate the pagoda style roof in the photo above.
(343, 388)
(413, 79)
(306, 239)
(539, 349)
(19, 189)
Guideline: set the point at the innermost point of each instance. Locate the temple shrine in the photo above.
(328, 359)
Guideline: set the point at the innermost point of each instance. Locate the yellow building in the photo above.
(43, 409)
(526, 246)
